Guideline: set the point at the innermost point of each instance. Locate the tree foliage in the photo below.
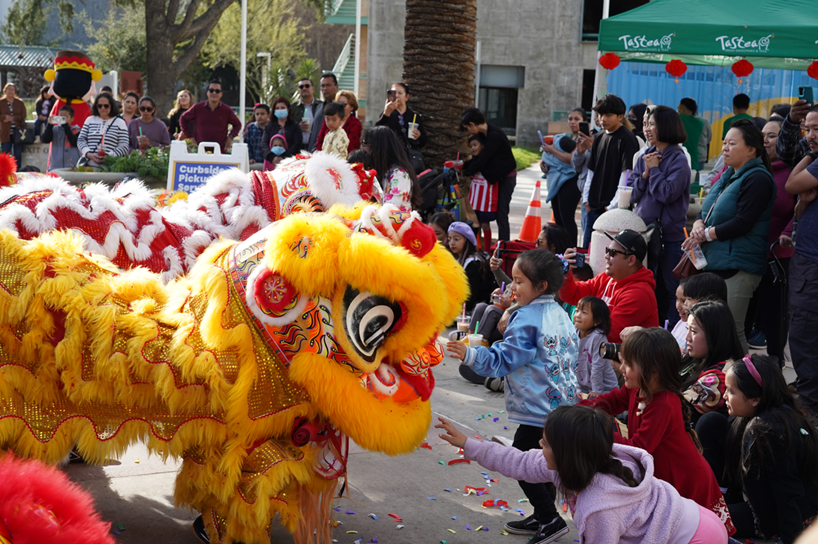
(283, 38)
(26, 21)
(119, 40)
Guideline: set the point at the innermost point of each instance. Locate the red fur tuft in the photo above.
(419, 239)
(7, 169)
(40, 504)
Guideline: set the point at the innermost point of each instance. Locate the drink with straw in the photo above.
(413, 126)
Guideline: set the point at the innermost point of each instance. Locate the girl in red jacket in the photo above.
(659, 420)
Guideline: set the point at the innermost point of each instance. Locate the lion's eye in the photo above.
(369, 319)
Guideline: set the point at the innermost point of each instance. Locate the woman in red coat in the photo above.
(658, 420)
(351, 125)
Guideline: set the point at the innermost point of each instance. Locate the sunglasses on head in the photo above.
(304, 86)
(215, 91)
(146, 108)
(611, 252)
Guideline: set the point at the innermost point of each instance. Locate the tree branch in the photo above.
(172, 11)
(207, 21)
(184, 28)
(184, 60)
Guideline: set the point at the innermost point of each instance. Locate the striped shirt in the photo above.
(482, 194)
(115, 130)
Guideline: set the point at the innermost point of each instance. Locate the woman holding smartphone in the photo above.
(407, 124)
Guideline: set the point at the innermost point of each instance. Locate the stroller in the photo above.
(440, 192)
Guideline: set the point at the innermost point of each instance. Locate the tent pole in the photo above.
(606, 12)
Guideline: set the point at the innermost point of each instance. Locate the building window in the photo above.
(588, 77)
(592, 15)
(500, 107)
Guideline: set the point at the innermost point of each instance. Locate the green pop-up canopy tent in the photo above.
(769, 33)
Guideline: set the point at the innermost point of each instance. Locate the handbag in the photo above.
(685, 268)
(22, 136)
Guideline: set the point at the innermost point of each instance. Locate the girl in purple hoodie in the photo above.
(610, 488)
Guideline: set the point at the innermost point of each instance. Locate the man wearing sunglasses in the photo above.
(626, 286)
(209, 120)
(308, 112)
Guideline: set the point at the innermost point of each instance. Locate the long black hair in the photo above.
(722, 339)
(540, 265)
(582, 441)
(386, 151)
(753, 137)
(557, 236)
(656, 353)
(783, 423)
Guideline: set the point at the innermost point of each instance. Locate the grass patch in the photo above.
(525, 156)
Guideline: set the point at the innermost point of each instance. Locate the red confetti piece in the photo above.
(395, 517)
(476, 490)
(426, 445)
(498, 504)
(488, 504)
(455, 461)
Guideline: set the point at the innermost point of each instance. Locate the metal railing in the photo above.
(344, 56)
(331, 7)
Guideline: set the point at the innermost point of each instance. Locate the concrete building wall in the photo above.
(543, 37)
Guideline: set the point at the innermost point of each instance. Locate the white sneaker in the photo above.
(502, 440)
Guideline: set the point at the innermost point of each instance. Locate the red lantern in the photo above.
(812, 71)
(742, 68)
(676, 68)
(609, 61)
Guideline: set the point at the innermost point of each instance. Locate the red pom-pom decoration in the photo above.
(743, 68)
(812, 71)
(609, 61)
(676, 68)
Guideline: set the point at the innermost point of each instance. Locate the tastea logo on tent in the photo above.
(643, 43)
(737, 44)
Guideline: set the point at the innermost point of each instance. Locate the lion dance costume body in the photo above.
(254, 367)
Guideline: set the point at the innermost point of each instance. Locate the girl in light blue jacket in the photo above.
(538, 357)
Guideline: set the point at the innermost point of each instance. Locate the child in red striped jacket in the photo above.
(482, 194)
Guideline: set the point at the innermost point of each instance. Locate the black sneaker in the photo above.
(495, 384)
(549, 532)
(527, 526)
(200, 531)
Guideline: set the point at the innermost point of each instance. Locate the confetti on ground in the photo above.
(352, 532)
(447, 489)
(373, 516)
(486, 474)
(400, 527)
(504, 427)
(137, 461)
(359, 541)
(455, 461)
(476, 490)
(115, 532)
(121, 527)
(496, 419)
(523, 500)
(432, 498)
(395, 517)
(442, 463)
(503, 532)
(426, 445)
(452, 531)
(501, 412)
(443, 542)
(454, 517)
(349, 512)
(468, 528)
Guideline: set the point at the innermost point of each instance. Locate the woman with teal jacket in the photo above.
(734, 223)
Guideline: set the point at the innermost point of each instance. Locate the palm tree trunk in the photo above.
(438, 67)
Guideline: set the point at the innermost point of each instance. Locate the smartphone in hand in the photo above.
(585, 128)
(805, 93)
(391, 95)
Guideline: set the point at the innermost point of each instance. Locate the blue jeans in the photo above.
(589, 228)
(17, 153)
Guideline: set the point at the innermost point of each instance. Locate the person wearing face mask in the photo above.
(278, 147)
(284, 124)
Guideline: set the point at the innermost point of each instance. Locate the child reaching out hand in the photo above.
(610, 488)
(659, 419)
(595, 375)
(538, 356)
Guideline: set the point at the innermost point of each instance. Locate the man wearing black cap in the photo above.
(626, 286)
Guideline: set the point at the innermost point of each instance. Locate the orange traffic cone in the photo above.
(532, 222)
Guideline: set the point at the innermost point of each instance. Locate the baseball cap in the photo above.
(633, 242)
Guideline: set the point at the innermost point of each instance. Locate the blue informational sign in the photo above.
(189, 176)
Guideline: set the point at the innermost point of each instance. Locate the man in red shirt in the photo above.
(210, 120)
(627, 287)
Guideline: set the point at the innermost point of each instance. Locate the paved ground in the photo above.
(137, 491)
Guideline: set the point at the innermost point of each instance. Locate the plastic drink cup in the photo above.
(463, 324)
(101, 153)
(475, 340)
(625, 196)
(549, 140)
(412, 127)
(698, 258)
